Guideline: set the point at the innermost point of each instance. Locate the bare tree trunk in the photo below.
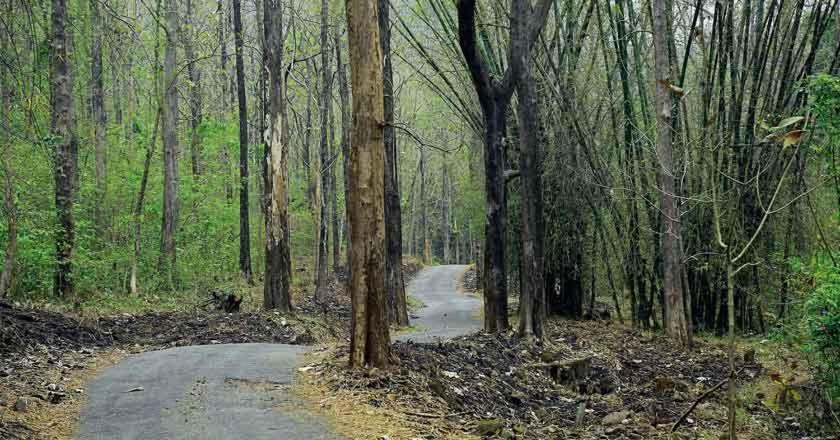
(307, 142)
(333, 195)
(63, 130)
(137, 218)
(370, 339)
(9, 208)
(97, 100)
(424, 219)
(195, 93)
(394, 282)
(675, 323)
(323, 175)
(223, 73)
(278, 270)
(494, 97)
(532, 297)
(346, 145)
(168, 259)
(447, 215)
(244, 217)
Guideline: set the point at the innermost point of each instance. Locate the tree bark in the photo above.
(324, 164)
(244, 216)
(494, 97)
(137, 217)
(278, 271)
(195, 93)
(370, 339)
(675, 324)
(532, 296)
(9, 207)
(65, 167)
(394, 282)
(346, 143)
(97, 100)
(168, 252)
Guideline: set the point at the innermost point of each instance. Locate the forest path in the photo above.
(447, 313)
(241, 391)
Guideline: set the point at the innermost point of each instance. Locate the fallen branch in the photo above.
(700, 399)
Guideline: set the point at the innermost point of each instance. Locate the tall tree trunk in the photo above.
(344, 96)
(532, 297)
(425, 240)
(97, 100)
(333, 199)
(137, 217)
(494, 97)
(223, 73)
(447, 215)
(394, 282)
(9, 208)
(195, 93)
(244, 218)
(370, 339)
(323, 168)
(307, 142)
(63, 131)
(675, 323)
(168, 258)
(278, 263)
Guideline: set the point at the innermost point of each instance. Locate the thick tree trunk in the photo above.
(370, 339)
(244, 216)
(63, 131)
(532, 296)
(495, 223)
(394, 283)
(278, 271)
(324, 164)
(195, 93)
(97, 100)
(675, 323)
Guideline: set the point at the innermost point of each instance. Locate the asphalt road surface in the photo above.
(240, 391)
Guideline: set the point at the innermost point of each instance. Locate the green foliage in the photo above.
(822, 319)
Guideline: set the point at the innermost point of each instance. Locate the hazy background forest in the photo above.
(743, 200)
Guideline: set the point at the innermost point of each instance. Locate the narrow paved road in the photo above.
(447, 313)
(240, 391)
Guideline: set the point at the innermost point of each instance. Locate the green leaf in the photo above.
(787, 122)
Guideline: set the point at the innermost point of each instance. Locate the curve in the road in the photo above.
(238, 391)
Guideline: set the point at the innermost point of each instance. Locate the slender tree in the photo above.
(195, 100)
(324, 163)
(97, 101)
(168, 250)
(9, 206)
(370, 339)
(244, 218)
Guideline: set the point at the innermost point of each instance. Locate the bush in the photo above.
(822, 319)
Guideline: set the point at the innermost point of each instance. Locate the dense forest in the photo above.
(670, 166)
